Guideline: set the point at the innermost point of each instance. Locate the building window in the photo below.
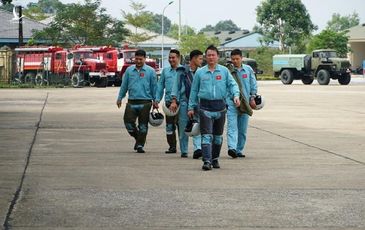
(58, 56)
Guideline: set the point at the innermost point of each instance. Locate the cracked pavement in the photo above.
(74, 166)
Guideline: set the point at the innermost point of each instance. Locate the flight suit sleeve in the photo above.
(193, 100)
(175, 88)
(124, 87)
(232, 85)
(160, 87)
(154, 85)
(253, 82)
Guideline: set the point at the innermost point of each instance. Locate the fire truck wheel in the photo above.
(77, 80)
(92, 82)
(64, 79)
(102, 82)
(39, 79)
(29, 78)
(117, 82)
(110, 83)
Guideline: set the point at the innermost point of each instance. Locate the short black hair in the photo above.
(236, 52)
(175, 51)
(140, 53)
(195, 53)
(212, 47)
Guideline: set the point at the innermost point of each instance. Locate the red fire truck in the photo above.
(39, 65)
(82, 65)
(85, 68)
(126, 59)
(117, 61)
(34, 64)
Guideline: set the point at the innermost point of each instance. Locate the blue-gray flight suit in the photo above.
(181, 91)
(141, 87)
(237, 123)
(210, 90)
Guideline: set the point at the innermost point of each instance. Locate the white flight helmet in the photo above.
(167, 111)
(260, 102)
(156, 118)
(192, 128)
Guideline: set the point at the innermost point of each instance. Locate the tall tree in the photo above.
(86, 24)
(208, 28)
(156, 22)
(185, 30)
(223, 25)
(33, 11)
(138, 19)
(49, 6)
(226, 25)
(284, 20)
(198, 41)
(329, 39)
(340, 23)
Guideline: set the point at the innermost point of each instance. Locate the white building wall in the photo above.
(358, 53)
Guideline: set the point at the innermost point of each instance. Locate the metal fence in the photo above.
(7, 64)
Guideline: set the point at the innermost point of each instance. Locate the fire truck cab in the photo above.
(126, 59)
(85, 68)
(117, 61)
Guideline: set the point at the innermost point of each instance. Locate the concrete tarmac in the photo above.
(67, 162)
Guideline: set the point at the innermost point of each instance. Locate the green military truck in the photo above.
(322, 64)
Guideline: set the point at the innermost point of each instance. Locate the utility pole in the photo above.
(20, 37)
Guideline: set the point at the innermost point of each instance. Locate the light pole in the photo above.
(179, 21)
(162, 32)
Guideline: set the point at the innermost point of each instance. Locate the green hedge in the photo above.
(263, 57)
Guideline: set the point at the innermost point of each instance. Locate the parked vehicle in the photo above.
(40, 65)
(86, 69)
(81, 65)
(322, 65)
(252, 62)
(117, 61)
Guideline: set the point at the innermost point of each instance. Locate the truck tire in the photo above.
(118, 82)
(65, 80)
(307, 80)
(77, 80)
(39, 79)
(102, 82)
(344, 79)
(323, 77)
(29, 78)
(110, 83)
(287, 77)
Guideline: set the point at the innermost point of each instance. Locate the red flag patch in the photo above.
(141, 74)
(244, 75)
(218, 77)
